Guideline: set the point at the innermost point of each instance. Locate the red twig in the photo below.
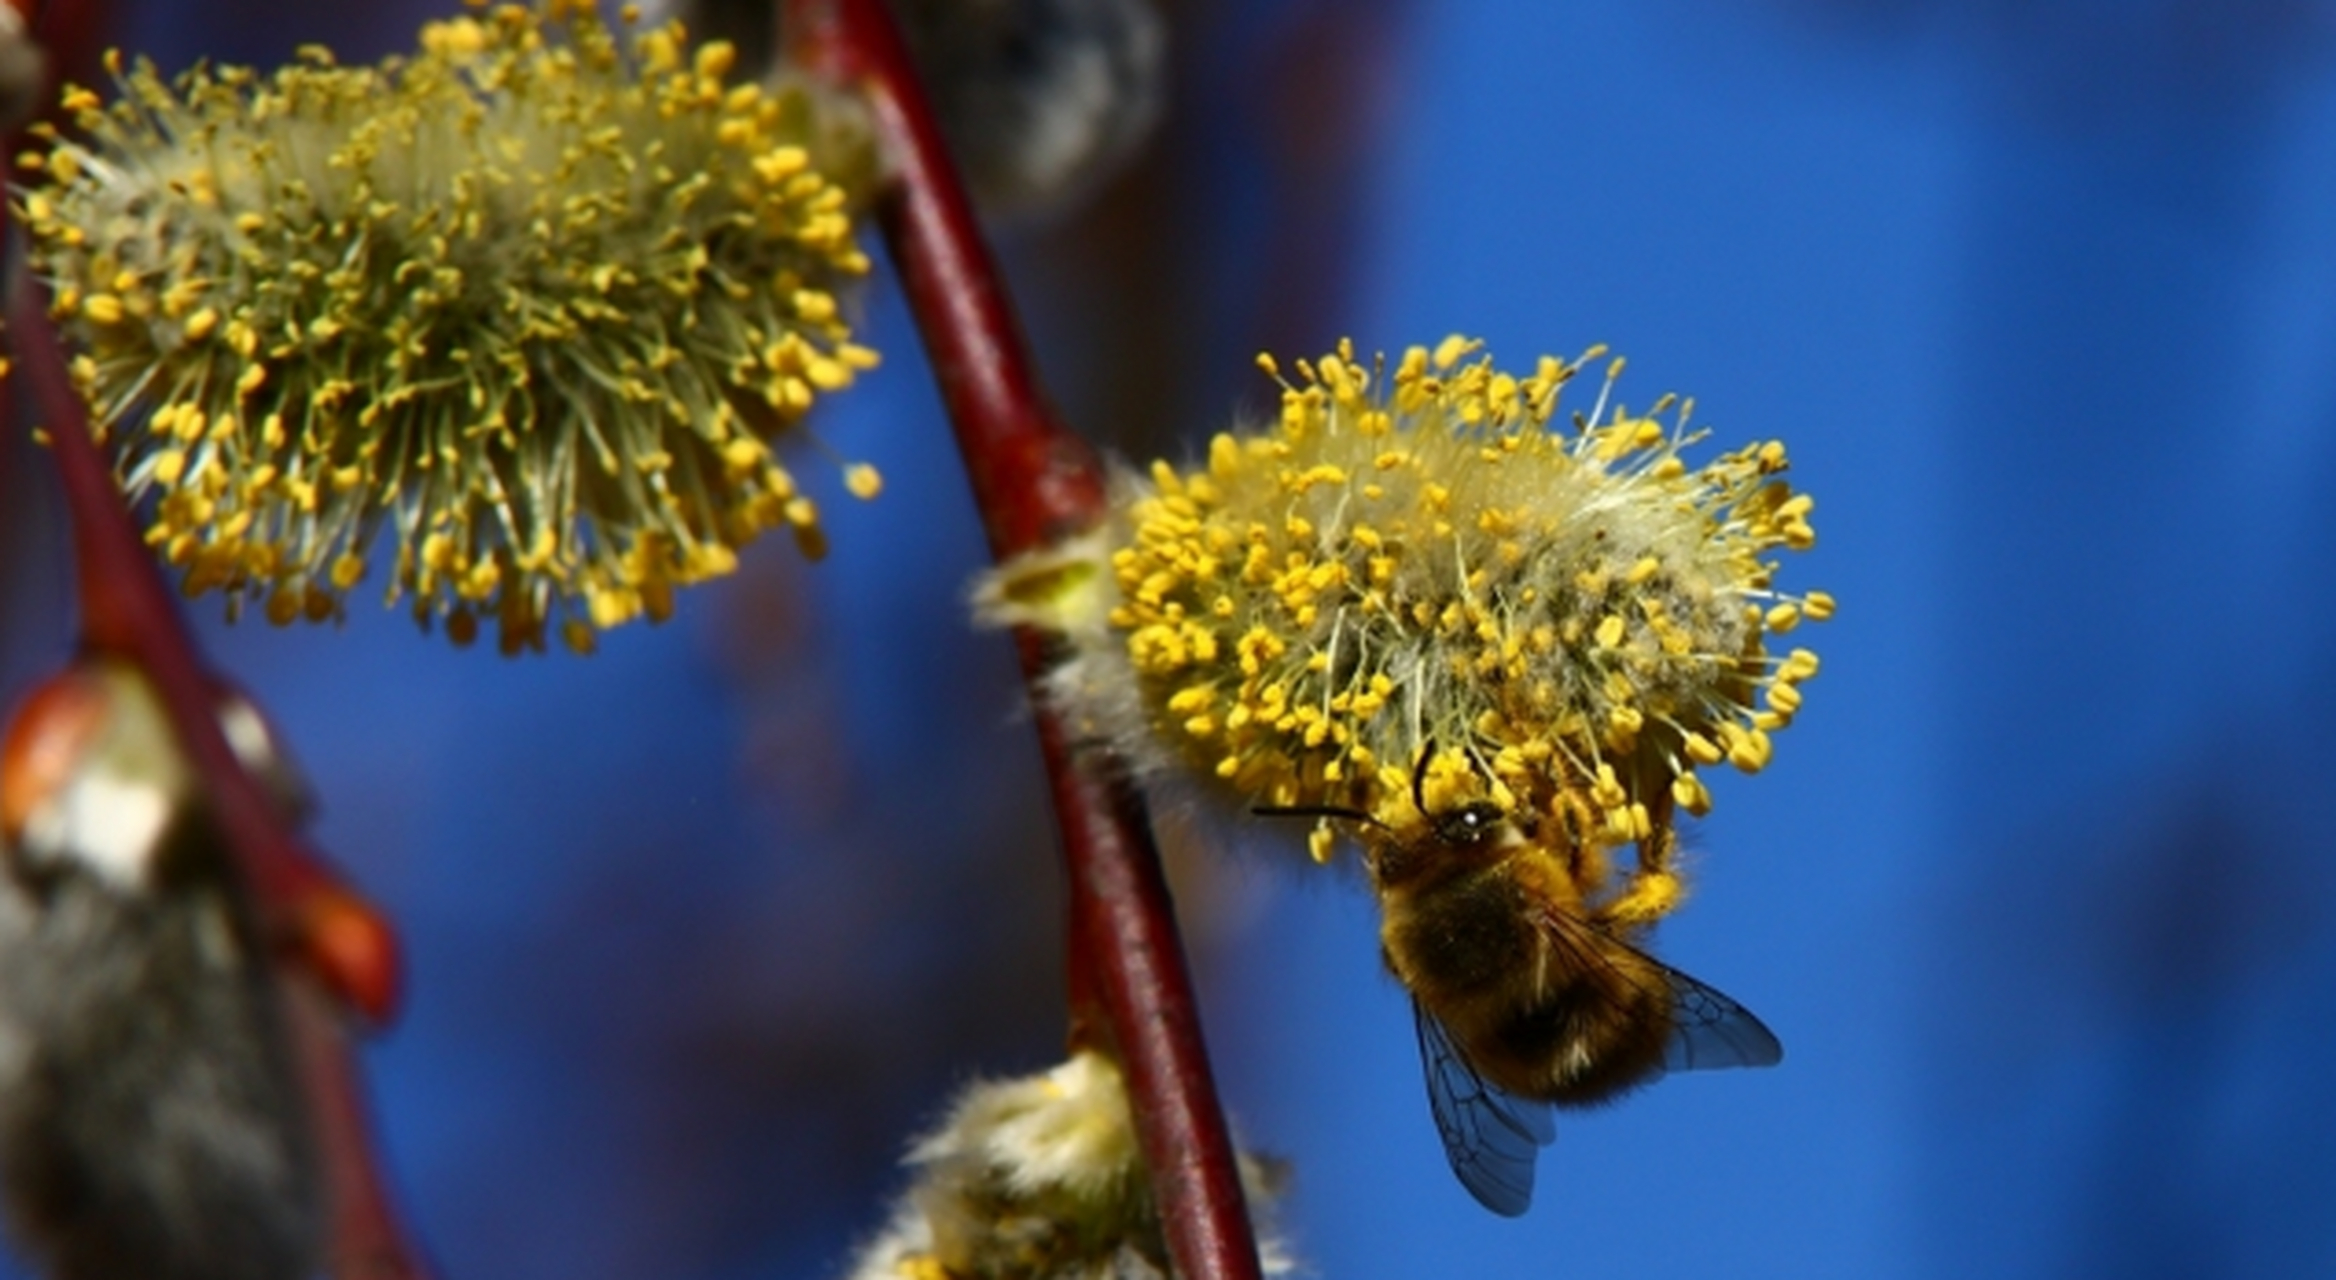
(1034, 481)
(1125, 949)
(368, 1240)
(1032, 478)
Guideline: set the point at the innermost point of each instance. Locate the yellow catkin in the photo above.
(544, 292)
(1429, 558)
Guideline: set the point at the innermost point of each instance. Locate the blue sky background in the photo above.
(2037, 893)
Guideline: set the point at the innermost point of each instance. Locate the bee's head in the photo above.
(1468, 825)
(1465, 825)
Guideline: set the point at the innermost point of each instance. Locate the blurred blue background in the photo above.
(2038, 892)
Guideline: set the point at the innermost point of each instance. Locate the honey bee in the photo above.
(1526, 997)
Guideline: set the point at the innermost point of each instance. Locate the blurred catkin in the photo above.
(1042, 101)
(1040, 1178)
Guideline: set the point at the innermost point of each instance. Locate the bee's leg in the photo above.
(1654, 889)
(1658, 852)
(1579, 819)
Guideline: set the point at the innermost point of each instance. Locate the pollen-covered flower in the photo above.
(538, 299)
(1421, 584)
(1040, 1178)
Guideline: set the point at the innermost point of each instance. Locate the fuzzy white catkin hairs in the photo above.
(1039, 1178)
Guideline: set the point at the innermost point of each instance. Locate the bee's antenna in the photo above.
(1419, 777)
(1315, 811)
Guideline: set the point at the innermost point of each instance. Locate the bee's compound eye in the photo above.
(1470, 822)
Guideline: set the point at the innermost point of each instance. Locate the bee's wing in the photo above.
(1490, 1135)
(1709, 1030)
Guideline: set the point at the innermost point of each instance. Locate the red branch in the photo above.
(1125, 949)
(1032, 478)
(1034, 481)
(367, 1239)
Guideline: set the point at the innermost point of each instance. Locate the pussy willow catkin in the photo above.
(538, 301)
